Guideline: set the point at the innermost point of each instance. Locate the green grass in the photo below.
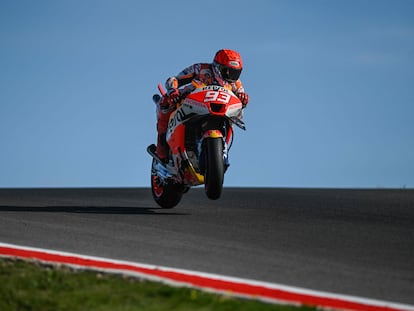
(34, 286)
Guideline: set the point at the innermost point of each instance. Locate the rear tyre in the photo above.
(213, 167)
(165, 194)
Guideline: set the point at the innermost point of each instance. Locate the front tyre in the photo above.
(165, 194)
(213, 167)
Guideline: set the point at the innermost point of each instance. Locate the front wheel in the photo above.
(165, 194)
(213, 167)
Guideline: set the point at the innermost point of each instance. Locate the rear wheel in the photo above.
(213, 167)
(165, 194)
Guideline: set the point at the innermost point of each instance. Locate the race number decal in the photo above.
(217, 96)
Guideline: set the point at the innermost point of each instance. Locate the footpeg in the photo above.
(152, 150)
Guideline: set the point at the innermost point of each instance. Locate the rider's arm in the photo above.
(238, 89)
(183, 78)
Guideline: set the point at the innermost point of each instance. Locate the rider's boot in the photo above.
(162, 147)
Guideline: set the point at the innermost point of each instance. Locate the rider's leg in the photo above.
(163, 116)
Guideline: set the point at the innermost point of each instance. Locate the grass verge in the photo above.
(34, 286)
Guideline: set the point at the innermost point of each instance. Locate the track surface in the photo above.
(355, 242)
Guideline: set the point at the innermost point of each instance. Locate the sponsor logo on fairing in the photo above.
(178, 117)
(214, 88)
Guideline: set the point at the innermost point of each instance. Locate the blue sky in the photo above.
(330, 82)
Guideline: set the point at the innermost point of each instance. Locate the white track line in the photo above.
(269, 292)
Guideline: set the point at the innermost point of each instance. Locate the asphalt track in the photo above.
(353, 242)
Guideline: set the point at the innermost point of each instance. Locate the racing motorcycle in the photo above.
(199, 136)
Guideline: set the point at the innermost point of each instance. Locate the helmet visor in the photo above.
(230, 74)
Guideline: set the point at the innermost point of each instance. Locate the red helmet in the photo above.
(228, 64)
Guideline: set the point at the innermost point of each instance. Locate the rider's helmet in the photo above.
(227, 65)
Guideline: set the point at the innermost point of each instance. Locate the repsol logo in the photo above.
(178, 117)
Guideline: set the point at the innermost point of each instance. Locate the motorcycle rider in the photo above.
(225, 71)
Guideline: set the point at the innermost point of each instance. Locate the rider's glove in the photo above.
(244, 98)
(173, 97)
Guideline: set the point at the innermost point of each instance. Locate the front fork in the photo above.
(226, 146)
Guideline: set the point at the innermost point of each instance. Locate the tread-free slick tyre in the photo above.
(214, 167)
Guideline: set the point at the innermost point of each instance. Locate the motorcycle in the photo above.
(199, 136)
